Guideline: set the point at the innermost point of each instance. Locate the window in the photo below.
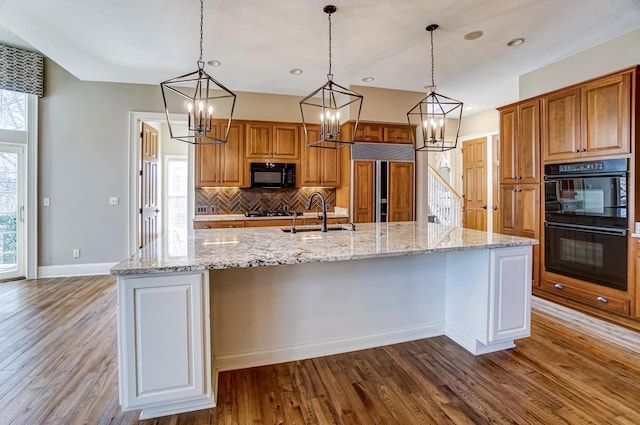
(13, 110)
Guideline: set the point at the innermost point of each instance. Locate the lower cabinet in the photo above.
(586, 293)
(164, 349)
(486, 311)
(509, 281)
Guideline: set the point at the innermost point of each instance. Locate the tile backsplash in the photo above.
(234, 200)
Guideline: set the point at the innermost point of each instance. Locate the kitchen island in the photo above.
(224, 299)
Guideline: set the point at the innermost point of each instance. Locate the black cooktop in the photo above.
(278, 213)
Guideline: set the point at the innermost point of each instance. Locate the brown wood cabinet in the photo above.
(520, 210)
(218, 224)
(272, 141)
(590, 120)
(398, 134)
(401, 192)
(221, 164)
(320, 166)
(363, 191)
(606, 115)
(379, 132)
(561, 125)
(588, 293)
(520, 143)
(520, 216)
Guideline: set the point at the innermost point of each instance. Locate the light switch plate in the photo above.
(113, 200)
(45, 202)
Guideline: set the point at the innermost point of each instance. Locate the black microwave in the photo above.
(272, 175)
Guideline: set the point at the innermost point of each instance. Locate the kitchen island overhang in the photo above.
(235, 298)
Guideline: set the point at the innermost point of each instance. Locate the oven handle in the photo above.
(554, 177)
(593, 229)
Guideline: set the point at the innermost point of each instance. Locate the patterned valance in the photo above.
(21, 71)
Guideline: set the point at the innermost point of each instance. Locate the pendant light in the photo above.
(434, 114)
(330, 105)
(203, 100)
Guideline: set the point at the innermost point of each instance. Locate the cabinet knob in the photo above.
(559, 286)
(206, 227)
(577, 150)
(602, 299)
(231, 226)
(484, 207)
(495, 208)
(514, 190)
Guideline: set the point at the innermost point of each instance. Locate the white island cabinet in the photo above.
(164, 343)
(235, 298)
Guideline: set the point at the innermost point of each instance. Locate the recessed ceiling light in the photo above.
(473, 35)
(214, 62)
(468, 108)
(515, 42)
(295, 71)
(368, 79)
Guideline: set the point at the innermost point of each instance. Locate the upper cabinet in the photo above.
(561, 125)
(273, 141)
(589, 120)
(606, 115)
(377, 132)
(320, 166)
(519, 129)
(221, 164)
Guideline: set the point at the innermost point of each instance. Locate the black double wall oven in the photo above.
(586, 221)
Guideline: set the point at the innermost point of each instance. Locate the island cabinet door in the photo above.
(509, 294)
(163, 343)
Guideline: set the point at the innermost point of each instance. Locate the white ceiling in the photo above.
(258, 41)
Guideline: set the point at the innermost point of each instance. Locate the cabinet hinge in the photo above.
(140, 172)
(141, 134)
(140, 210)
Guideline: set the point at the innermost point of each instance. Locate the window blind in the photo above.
(21, 71)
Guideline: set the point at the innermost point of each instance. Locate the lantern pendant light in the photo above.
(330, 105)
(207, 104)
(434, 114)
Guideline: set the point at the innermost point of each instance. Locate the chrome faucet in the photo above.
(324, 208)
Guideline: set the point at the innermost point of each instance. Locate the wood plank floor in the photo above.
(58, 366)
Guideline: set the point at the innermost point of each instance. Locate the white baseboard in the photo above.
(324, 348)
(65, 270)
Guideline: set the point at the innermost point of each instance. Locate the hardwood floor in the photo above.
(58, 366)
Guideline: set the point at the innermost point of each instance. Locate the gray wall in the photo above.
(83, 160)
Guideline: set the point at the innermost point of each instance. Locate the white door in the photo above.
(12, 213)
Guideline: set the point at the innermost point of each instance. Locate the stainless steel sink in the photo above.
(316, 228)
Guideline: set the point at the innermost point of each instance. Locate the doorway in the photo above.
(481, 166)
(138, 195)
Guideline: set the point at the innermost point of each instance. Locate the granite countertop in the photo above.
(270, 246)
(232, 217)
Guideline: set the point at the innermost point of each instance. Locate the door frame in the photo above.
(491, 226)
(29, 142)
(135, 157)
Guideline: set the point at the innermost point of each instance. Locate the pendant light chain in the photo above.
(200, 61)
(330, 75)
(433, 79)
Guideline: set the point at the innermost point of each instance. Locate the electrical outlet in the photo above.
(213, 209)
(113, 200)
(45, 202)
(76, 253)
